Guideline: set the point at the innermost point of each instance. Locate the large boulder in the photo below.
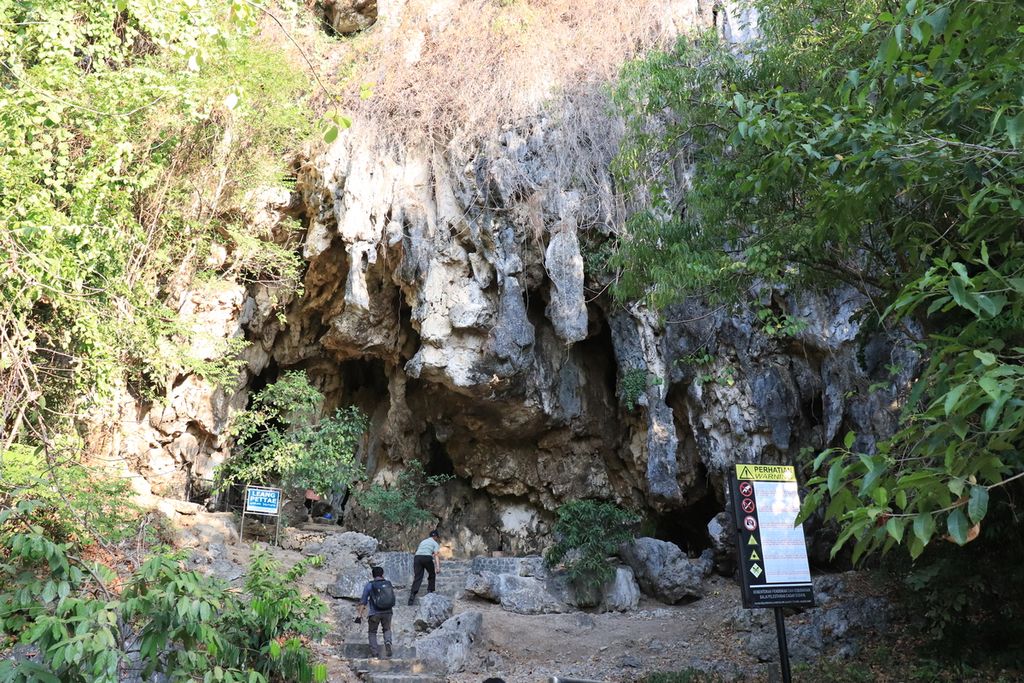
(622, 593)
(519, 594)
(722, 533)
(529, 595)
(434, 609)
(664, 572)
(449, 645)
(344, 549)
(350, 16)
(350, 583)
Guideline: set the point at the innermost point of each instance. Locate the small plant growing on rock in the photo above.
(588, 533)
(399, 504)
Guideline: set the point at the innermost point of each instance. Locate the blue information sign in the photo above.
(263, 501)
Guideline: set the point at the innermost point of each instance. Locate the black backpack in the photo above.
(382, 594)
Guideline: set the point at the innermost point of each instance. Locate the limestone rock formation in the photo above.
(664, 572)
(447, 293)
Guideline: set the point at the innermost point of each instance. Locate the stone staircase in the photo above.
(401, 667)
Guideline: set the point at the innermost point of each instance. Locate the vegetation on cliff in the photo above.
(880, 146)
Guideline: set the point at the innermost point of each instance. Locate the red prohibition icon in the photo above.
(746, 489)
(748, 505)
(749, 523)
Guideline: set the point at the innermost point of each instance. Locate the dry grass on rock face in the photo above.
(453, 70)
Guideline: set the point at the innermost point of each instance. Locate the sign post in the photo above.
(774, 570)
(262, 500)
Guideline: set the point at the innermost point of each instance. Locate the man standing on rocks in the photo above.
(379, 595)
(427, 559)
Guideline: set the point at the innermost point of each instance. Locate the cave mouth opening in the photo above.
(438, 460)
(688, 527)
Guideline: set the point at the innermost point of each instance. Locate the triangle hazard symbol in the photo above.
(752, 541)
(745, 473)
(754, 555)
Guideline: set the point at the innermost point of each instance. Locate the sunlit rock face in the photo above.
(450, 292)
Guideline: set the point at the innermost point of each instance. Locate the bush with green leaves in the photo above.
(77, 504)
(587, 533)
(400, 503)
(873, 145)
(90, 625)
(281, 439)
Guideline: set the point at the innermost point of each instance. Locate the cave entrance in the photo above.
(688, 527)
(438, 460)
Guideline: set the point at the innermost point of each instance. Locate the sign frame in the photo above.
(274, 512)
(758, 591)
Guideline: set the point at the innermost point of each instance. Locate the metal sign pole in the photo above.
(780, 631)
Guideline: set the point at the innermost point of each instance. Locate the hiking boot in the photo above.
(387, 649)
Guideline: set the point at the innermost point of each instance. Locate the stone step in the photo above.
(357, 651)
(405, 678)
(395, 666)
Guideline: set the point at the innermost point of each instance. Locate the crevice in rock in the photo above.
(688, 527)
(438, 460)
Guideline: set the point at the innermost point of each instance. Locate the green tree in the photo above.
(400, 502)
(873, 144)
(587, 533)
(281, 439)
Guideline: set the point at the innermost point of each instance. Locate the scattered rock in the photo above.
(664, 572)
(350, 16)
(434, 609)
(484, 585)
(449, 645)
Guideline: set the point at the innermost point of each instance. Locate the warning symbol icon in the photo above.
(752, 541)
(745, 473)
(754, 555)
(756, 570)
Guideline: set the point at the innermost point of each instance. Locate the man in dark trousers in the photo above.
(379, 595)
(427, 559)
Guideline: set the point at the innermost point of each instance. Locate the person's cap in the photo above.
(434, 534)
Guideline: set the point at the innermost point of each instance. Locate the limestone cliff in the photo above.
(451, 292)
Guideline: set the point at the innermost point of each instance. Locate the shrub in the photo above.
(167, 621)
(400, 504)
(279, 438)
(588, 532)
(75, 503)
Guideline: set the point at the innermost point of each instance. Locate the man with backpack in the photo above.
(379, 595)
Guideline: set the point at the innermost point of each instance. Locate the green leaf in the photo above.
(849, 439)
(835, 476)
(924, 527)
(331, 134)
(953, 397)
(977, 505)
(985, 357)
(894, 527)
(957, 525)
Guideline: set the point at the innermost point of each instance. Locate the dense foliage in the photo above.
(874, 145)
(587, 533)
(281, 439)
(126, 146)
(91, 625)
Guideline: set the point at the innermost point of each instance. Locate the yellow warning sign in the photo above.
(752, 541)
(754, 555)
(766, 472)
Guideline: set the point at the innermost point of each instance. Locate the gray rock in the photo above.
(434, 609)
(350, 583)
(449, 645)
(484, 584)
(664, 572)
(528, 595)
(340, 550)
(622, 593)
(722, 533)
